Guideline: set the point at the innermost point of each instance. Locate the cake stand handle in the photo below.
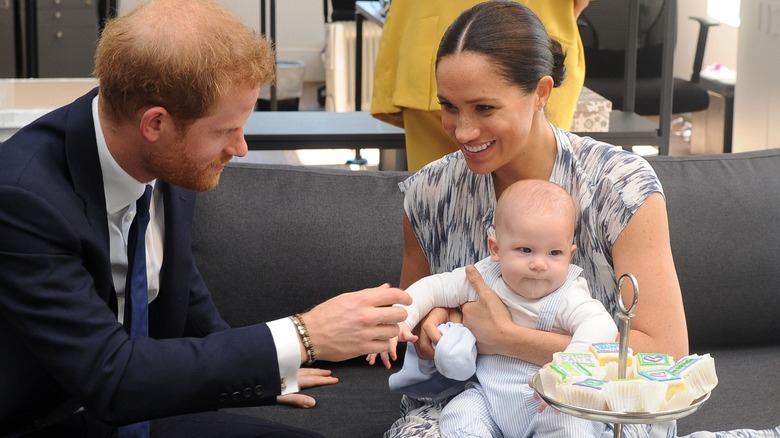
(624, 315)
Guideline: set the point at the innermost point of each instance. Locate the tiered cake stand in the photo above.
(619, 418)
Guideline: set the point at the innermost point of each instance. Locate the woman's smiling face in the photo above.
(488, 118)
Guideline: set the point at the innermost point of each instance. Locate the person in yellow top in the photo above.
(404, 92)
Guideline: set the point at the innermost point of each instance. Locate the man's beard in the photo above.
(174, 164)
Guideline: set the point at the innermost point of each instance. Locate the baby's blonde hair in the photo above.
(534, 196)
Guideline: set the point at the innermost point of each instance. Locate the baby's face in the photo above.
(534, 253)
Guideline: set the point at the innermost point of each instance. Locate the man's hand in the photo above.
(486, 316)
(356, 323)
(307, 378)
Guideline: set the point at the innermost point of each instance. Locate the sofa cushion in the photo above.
(248, 235)
(273, 240)
(746, 395)
(723, 216)
(724, 219)
(360, 405)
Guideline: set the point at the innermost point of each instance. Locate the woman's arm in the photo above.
(489, 318)
(414, 267)
(643, 249)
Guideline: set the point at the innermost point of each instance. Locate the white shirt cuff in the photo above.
(288, 351)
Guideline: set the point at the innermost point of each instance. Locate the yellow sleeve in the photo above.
(558, 18)
(404, 70)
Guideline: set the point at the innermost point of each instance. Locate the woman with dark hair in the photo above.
(496, 67)
(404, 90)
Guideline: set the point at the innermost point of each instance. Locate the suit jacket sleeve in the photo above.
(58, 307)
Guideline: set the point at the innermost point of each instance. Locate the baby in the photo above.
(530, 269)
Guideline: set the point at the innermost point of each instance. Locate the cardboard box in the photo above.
(24, 100)
(591, 113)
(42, 93)
(289, 86)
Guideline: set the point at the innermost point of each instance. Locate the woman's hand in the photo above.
(490, 322)
(307, 378)
(486, 317)
(579, 6)
(428, 333)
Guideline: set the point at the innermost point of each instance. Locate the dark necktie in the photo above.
(136, 320)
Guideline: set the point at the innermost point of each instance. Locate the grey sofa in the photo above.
(272, 240)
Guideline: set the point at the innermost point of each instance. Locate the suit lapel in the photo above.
(165, 312)
(84, 166)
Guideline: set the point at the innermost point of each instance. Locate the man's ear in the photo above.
(154, 121)
(493, 248)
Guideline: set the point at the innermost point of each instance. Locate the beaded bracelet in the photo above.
(297, 320)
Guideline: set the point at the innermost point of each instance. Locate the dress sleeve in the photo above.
(633, 180)
(450, 210)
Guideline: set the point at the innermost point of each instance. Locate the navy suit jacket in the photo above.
(59, 335)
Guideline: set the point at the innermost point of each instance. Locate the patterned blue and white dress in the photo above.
(451, 212)
(451, 208)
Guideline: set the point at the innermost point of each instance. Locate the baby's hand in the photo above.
(387, 355)
(542, 404)
(405, 335)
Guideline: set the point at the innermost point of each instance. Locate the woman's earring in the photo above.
(541, 108)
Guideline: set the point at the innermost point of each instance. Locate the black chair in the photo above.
(604, 36)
